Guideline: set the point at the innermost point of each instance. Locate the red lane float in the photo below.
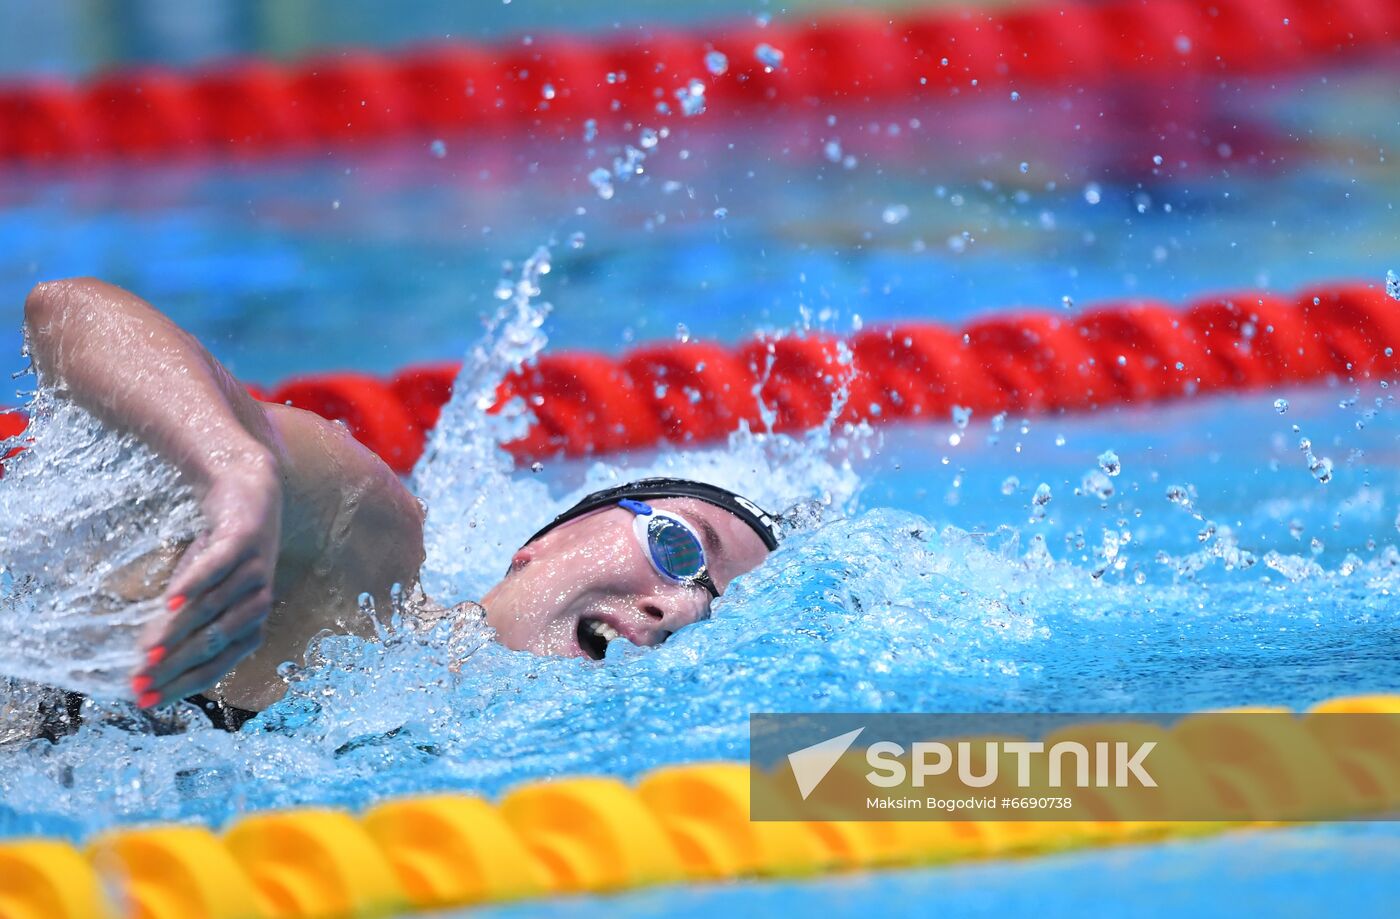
(855, 56)
(1025, 361)
(12, 424)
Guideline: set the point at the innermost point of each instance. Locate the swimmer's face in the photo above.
(573, 589)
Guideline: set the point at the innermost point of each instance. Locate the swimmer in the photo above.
(302, 520)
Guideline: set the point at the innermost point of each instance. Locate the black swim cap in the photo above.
(759, 520)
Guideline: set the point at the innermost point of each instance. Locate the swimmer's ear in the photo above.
(522, 557)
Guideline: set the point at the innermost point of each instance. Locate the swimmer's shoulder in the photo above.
(338, 494)
(349, 525)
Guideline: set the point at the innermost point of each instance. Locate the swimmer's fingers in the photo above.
(245, 577)
(198, 679)
(209, 561)
(239, 630)
(209, 628)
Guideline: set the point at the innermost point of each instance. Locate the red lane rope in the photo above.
(1023, 361)
(854, 56)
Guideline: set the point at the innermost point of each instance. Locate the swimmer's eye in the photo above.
(672, 545)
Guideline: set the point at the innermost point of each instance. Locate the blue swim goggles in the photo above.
(671, 544)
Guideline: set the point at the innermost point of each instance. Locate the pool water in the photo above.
(1219, 571)
(1303, 872)
(281, 265)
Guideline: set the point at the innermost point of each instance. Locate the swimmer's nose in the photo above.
(667, 618)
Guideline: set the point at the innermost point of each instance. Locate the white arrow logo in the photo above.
(811, 764)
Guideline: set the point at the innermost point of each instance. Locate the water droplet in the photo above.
(1320, 467)
(895, 213)
(1097, 484)
(504, 289)
(438, 149)
(692, 98)
(961, 416)
(832, 150)
(1392, 285)
(1093, 193)
(1280, 405)
(1157, 159)
(721, 213)
(1025, 168)
(576, 240)
(648, 138)
(547, 91)
(682, 332)
(601, 180)
(1010, 484)
(1039, 500)
(1015, 96)
(1108, 462)
(537, 467)
(590, 130)
(771, 58)
(716, 62)
(1183, 44)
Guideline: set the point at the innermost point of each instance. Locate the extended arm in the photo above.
(133, 368)
(267, 477)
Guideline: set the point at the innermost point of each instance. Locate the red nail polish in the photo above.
(148, 699)
(155, 655)
(176, 602)
(140, 684)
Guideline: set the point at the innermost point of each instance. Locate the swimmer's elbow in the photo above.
(51, 304)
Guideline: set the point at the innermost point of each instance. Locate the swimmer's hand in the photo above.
(221, 592)
(121, 359)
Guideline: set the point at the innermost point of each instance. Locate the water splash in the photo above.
(464, 475)
(83, 507)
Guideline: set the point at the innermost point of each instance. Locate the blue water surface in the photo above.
(1303, 872)
(932, 583)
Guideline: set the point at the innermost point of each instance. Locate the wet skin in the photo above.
(593, 569)
(302, 519)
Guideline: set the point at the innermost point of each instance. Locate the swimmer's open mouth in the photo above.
(593, 637)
